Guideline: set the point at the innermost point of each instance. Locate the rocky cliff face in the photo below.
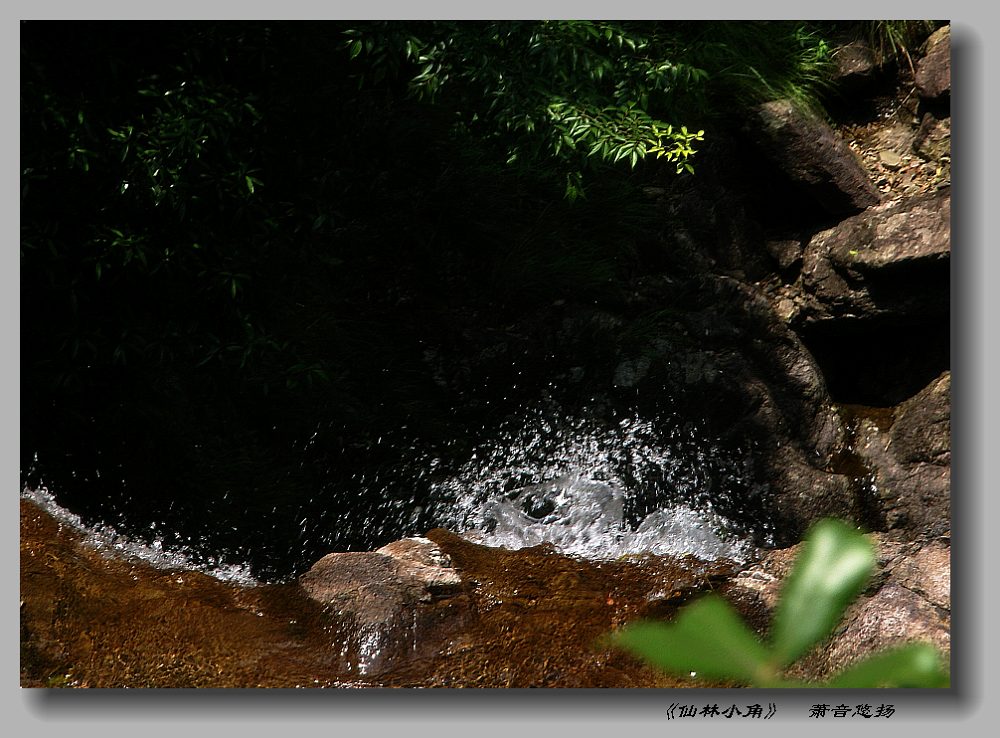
(835, 295)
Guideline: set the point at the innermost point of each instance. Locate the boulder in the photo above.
(911, 463)
(933, 139)
(787, 254)
(872, 264)
(377, 597)
(892, 617)
(921, 433)
(811, 154)
(927, 572)
(907, 599)
(933, 73)
(376, 585)
(854, 61)
(731, 344)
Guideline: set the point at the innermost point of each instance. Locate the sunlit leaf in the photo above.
(831, 570)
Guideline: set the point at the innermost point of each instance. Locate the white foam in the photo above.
(584, 518)
(574, 480)
(107, 540)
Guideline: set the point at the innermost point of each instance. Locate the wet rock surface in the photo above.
(537, 617)
(89, 620)
(911, 462)
(529, 618)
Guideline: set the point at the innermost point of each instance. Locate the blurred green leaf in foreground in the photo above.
(708, 638)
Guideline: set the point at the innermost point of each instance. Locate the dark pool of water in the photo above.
(278, 498)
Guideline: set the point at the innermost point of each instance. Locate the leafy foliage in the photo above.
(584, 91)
(894, 40)
(709, 638)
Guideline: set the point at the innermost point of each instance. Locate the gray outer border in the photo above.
(112, 712)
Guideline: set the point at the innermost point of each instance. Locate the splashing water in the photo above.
(109, 541)
(598, 490)
(584, 517)
(598, 486)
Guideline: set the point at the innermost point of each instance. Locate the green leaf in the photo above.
(707, 638)
(912, 665)
(355, 49)
(831, 570)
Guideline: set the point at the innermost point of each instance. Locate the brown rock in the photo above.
(381, 582)
(756, 589)
(893, 616)
(867, 265)
(788, 253)
(908, 599)
(922, 430)
(933, 79)
(912, 462)
(853, 60)
(382, 599)
(928, 573)
(933, 139)
(802, 493)
(812, 155)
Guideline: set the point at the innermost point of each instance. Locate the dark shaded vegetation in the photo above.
(258, 259)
